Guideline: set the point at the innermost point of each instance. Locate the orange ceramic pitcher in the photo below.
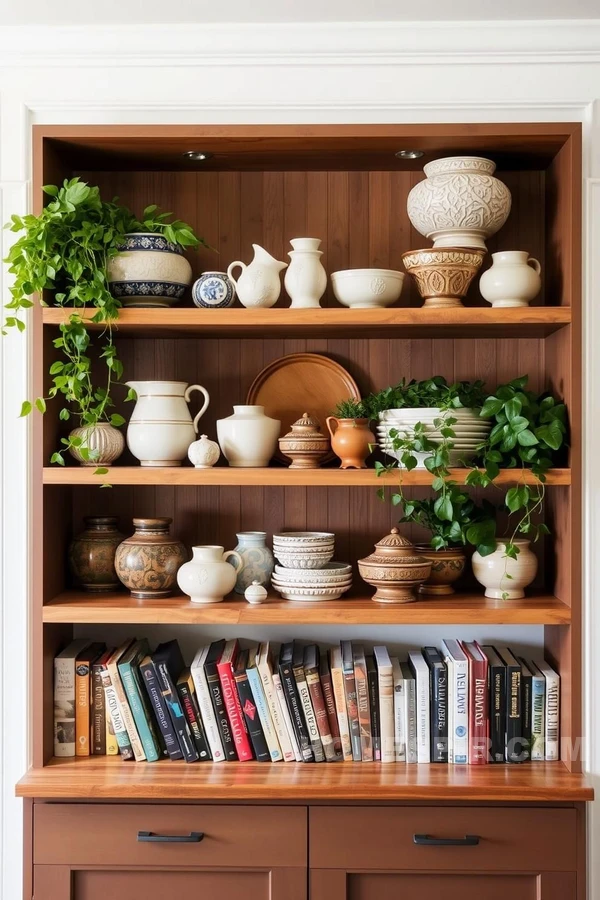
(351, 440)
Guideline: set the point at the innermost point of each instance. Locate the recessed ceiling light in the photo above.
(410, 154)
(197, 155)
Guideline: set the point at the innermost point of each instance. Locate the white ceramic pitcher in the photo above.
(161, 428)
(259, 285)
(513, 279)
(208, 576)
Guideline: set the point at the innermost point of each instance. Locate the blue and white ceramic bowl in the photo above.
(148, 271)
(213, 290)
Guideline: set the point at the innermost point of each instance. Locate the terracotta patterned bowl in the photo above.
(443, 276)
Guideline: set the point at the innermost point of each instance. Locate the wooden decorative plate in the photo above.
(299, 383)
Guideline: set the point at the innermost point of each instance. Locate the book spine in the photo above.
(134, 738)
(552, 717)
(538, 752)
(309, 714)
(387, 717)
(276, 714)
(412, 755)
(234, 712)
(83, 709)
(286, 716)
(352, 711)
(497, 712)
(158, 704)
(207, 713)
(526, 712)
(313, 682)
(182, 729)
(364, 713)
(98, 714)
(113, 707)
(339, 694)
(334, 728)
(439, 715)
(373, 684)
(478, 714)
(192, 715)
(112, 745)
(264, 714)
(64, 707)
(423, 715)
(218, 704)
(400, 729)
(514, 738)
(139, 714)
(252, 717)
(295, 710)
(460, 734)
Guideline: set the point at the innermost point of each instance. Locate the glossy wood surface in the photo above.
(460, 609)
(96, 778)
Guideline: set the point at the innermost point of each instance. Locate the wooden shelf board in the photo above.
(276, 476)
(95, 778)
(461, 609)
(534, 321)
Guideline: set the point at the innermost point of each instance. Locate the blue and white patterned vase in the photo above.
(213, 290)
(148, 271)
(257, 560)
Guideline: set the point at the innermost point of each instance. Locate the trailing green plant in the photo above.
(350, 409)
(66, 250)
(432, 393)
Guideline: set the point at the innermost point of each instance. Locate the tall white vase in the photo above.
(161, 428)
(306, 279)
(248, 438)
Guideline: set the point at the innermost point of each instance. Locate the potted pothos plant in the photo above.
(67, 250)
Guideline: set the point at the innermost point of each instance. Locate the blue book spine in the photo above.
(263, 708)
(158, 704)
(138, 712)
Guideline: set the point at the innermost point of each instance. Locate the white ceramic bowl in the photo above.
(314, 561)
(305, 594)
(330, 569)
(310, 579)
(304, 537)
(303, 551)
(367, 288)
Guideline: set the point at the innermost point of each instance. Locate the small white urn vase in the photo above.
(259, 285)
(204, 453)
(306, 279)
(161, 428)
(248, 438)
(207, 577)
(505, 578)
(513, 279)
(255, 593)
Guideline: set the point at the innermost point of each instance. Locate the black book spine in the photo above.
(216, 695)
(514, 736)
(526, 713)
(439, 713)
(293, 701)
(192, 714)
(158, 703)
(182, 729)
(497, 676)
(257, 736)
(374, 706)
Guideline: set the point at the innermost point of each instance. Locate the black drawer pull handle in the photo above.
(194, 837)
(425, 840)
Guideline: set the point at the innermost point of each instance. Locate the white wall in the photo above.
(377, 73)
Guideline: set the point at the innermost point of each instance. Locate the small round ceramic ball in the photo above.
(255, 593)
(204, 453)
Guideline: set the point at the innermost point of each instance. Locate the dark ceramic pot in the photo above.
(92, 554)
(147, 562)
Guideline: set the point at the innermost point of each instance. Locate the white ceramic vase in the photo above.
(306, 279)
(207, 577)
(460, 203)
(513, 279)
(248, 438)
(505, 578)
(104, 440)
(161, 429)
(259, 285)
(203, 454)
(148, 271)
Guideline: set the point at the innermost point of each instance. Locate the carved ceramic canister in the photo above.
(92, 554)
(204, 453)
(305, 444)
(147, 562)
(104, 440)
(394, 569)
(257, 559)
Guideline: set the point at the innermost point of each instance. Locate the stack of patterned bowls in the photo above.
(469, 429)
(306, 572)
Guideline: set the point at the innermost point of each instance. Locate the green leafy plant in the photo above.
(350, 409)
(66, 250)
(449, 521)
(430, 394)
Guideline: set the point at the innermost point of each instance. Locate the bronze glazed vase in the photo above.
(92, 554)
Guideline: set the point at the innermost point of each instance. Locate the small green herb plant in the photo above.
(350, 409)
(66, 250)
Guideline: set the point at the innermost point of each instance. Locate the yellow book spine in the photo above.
(82, 709)
(112, 747)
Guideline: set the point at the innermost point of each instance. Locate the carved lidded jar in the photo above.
(394, 569)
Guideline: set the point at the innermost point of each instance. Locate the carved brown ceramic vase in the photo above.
(147, 562)
(92, 554)
(395, 569)
(351, 440)
(446, 567)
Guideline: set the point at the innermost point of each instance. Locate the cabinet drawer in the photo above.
(383, 838)
(108, 835)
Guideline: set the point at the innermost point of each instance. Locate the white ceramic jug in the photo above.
(248, 438)
(306, 279)
(513, 279)
(207, 577)
(161, 429)
(259, 285)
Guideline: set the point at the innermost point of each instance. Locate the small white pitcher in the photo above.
(207, 577)
(259, 285)
(161, 428)
(513, 279)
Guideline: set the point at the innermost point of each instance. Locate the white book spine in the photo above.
(538, 718)
(125, 710)
(266, 676)
(399, 712)
(461, 711)
(385, 684)
(410, 721)
(207, 711)
(64, 706)
(264, 714)
(286, 716)
(422, 700)
(552, 711)
(339, 694)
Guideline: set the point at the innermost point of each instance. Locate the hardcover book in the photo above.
(249, 709)
(100, 719)
(438, 699)
(137, 699)
(207, 712)
(260, 700)
(373, 685)
(458, 702)
(237, 723)
(420, 671)
(264, 664)
(385, 693)
(552, 710)
(478, 704)
(293, 701)
(307, 708)
(216, 696)
(285, 711)
(189, 702)
(327, 689)
(351, 699)
(168, 664)
(313, 681)
(400, 711)
(538, 714)
(527, 705)
(64, 698)
(114, 711)
(339, 694)
(122, 702)
(409, 691)
(513, 752)
(497, 703)
(158, 704)
(362, 702)
(84, 697)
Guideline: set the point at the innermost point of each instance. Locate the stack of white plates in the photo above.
(328, 583)
(469, 429)
(304, 549)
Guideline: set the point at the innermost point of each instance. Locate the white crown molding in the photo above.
(301, 44)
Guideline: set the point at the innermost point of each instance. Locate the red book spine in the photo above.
(478, 711)
(327, 687)
(234, 711)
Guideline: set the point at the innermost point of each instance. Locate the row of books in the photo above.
(463, 704)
